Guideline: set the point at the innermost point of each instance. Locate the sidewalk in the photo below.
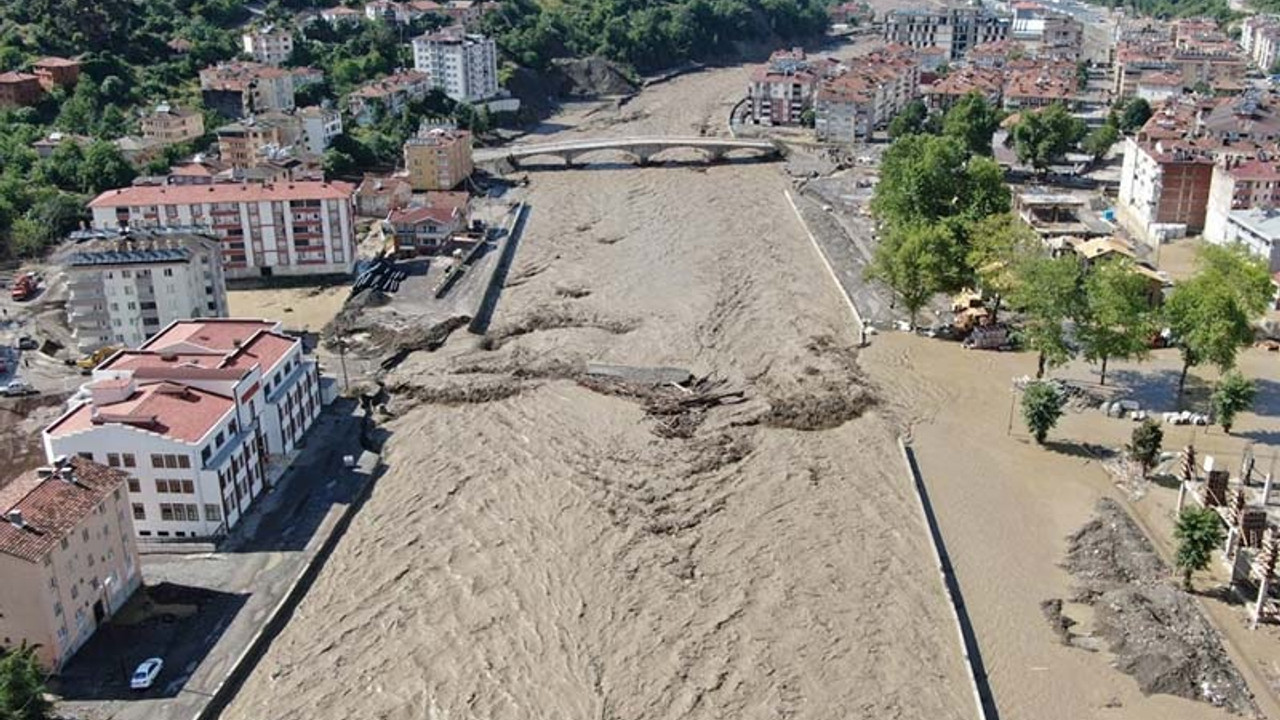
(236, 590)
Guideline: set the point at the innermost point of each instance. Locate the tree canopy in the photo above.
(973, 121)
(1116, 317)
(1048, 293)
(1042, 137)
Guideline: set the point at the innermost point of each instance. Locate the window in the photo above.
(184, 462)
(166, 511)
(188, 487)
(193, 513)
(205, 453)
(64, 543)
(168, 272)
(213, 513)
(139, 511)
(157, 461)
(162, 486)
(134, 485)
(129, 460)
(86, 455)
(113, 459)
(84, 535)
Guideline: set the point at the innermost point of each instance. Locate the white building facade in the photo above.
(295, 228)
(122, 289)
(464, 66)
(195, 417)
(320, 125)
(268, 45)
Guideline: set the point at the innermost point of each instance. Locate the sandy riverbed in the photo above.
(548, 555)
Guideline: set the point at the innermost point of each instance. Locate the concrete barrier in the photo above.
(984, 701)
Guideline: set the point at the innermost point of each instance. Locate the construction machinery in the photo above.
(95, 358)
(24, 287)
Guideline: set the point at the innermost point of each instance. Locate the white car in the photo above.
(17, 388)
(146, 673)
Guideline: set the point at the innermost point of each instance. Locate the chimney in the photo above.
(15, 517)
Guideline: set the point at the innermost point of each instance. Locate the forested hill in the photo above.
(1219, 9)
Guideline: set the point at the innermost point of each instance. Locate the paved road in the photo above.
(530, 150)
(236, 588)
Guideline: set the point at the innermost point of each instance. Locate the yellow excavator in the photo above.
(95, 358)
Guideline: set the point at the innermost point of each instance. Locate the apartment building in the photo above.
(240, 89)
(1260, 40)
(19, 89)
(1239, 184)
(320, 126)
(1164, 189)
(268, 44)
(68, 558)
(56, 72)
(785, 87)
(124, 287)
(341, 16)
(943, 93)
(1041, 84)
(953, 29)
(877, 87)
(243, 144)
(462, 65)
(438, 158)
(1251, 117)
(170, 124)
(390, 95)
(194, 416)
(1258, 230)
(266, 229)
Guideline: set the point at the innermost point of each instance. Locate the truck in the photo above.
(95, 358)
(24, 287)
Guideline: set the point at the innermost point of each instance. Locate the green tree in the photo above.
(926, 178)
(1044, 136)
(1210, 313)
(29, 237)
(917, 262)
(807, 117)
(910, 121)
(1136, 114)
(1042, 407)
(972, 121)
(1047, 291)
(105, 168)
(1198, 531)
(1098, 142)
(998, 244)
(1116, 319)
(22, 691)
(1144, 444)
(1232, 395)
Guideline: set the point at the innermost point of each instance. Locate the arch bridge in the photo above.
(641, 150)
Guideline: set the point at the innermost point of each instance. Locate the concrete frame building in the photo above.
(240, 89)
(19, 89)
(68, 558)
(56, 72)
(785, 87)
(266, 229)
(462, 65)
(1239, 185)
(268, 45)
(877, 87)
(170, 124)
(1164, 189)
(392, 93)
(438, 158)
(953, 29)
(123, 288)
(194, 416)
(1258, 230)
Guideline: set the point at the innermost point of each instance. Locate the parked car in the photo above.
(145, 675)
(17, 388)
(26, 342)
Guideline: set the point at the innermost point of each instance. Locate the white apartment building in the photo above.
(194, 416)
(955, 30)
(68, 558)
(320, 125)
(464, 66)
(268, 45)
(1258, 230)
(266, 229)
(1260, 39)
(124, 287)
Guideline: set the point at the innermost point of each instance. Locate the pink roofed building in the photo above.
(782, 89)
(195, 416)
(425, 229)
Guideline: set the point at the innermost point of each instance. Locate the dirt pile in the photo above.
(589, 77)
(1156, 631)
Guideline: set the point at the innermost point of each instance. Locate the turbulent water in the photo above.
(542, 549)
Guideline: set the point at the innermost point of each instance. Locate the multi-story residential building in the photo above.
(438, 158)
(1041, 84)
(56, 72)
(1061, 39)
(1258, 230)
(987, 82)
(341, 16)
(320, 126)
(124, 287)
(1157, 87)
(1164, 188)
(462, 65)
(1260, 39)
(1239, 184)
(389, 95)
(240, 89)
(170, 124)
(1251, 117)
(268, 44)
(426, 229)
(266, 229)
(384, 10)
(953, 29)
(243, 144)
(194, 416)
(19, 89)
(378, 195)
(876, 88)
(68, 557)
(784, 88)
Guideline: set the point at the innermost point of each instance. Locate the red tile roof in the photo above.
(180, 412)
(417, 215)
(207, 335)
(265, 349)
(56, 62)
(52, 508)
(222, 193)
(17, 77)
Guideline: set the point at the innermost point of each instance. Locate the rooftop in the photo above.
(220, 335)
(222, 193)
(136, 247)
(53, 507)
(180, 412)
